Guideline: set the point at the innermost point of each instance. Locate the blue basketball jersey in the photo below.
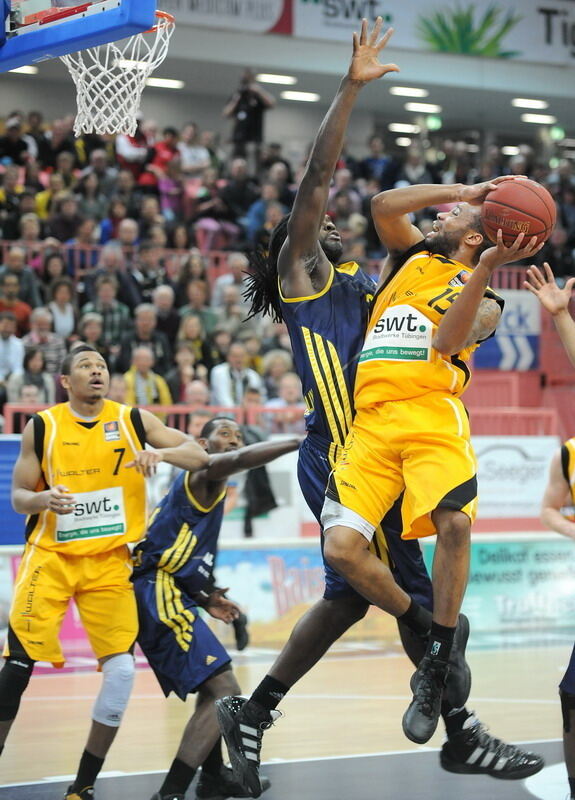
(327, 332)
(182, 538)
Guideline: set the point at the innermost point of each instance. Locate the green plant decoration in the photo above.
(456, 30)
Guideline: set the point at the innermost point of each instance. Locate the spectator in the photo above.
(272, 154)
(51, 344)
(147, 271)
(118, 388)
(145, 333)
(273, 216)
(65, 220)
(232, 312)
(10, 303)
(162, 153)
(275, 363)
(106, 174)
(230, 380)
(197, 420)
(53, 267)
(112, 263)
(65, 165)
(58, 139)
(180, 238)
(240, 191)
(15, 264)
(90, 331)
(11, 193)
(116, 319)
(212, 217)
(63, 306)
(246, 107)
(31, 234)
(193, 268)
(132, 151)
(128, 192)
(46, 200)
(192, 333)
(33, 178)
(92, 202)
(171, 190)
(185, 371)
(81, 253)
(109, 227)
(11, 348)
(220, 342)
(197, 394)
(378, 166)
(149, 216)
(237, 265)
(278, 175)
(36, 137)
(256, 213)
(290, 400)
(143, 386)
(197, 294)
(415, 170)
(194, 156)
(33, 373)
(168, 319)
(29, 395)
(13, 147)
(127, 237)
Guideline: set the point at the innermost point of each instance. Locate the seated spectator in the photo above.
(240, 190)
(237, 265)
(253, 344)
(11, 193)
(118, 388)
(128, 192)
(110, 225)
(13, 147)
(256, 214)
(168, 319)
(143, 386)
(116, 319)
(11, 348)
(193, 268)
(290, 401)
(194, 156)
(10, 303)
(106, 174)
(212, 217)
(66, 166)
(147, 270)
(30, 238)
(232, 312)
(33, 373)
(220, 342)
(29, 395)
(41, 336)
(162, 153)
(45, 201)
(132, 151)
(197, 420)
(171, 190)
(33, 178)
(197, 295)
(180, 238)
(81, 252)
(58, 139)
(63, 305)
(92, 202)
(197, 394)
(191, 332)
(145, 334)
(273, 216)
(230, 380)
(53, 268)
(90, 329)
(15, 264)
(278, 174)
(185, 371)
(276, 363)
(112, 263)
(343, 186)
(149, 215)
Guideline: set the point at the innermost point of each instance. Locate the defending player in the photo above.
(326, 311)
(172, 577)
(80, 478)
(560, 491)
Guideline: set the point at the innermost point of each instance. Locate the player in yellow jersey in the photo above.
(80, 478)
(411, 433)
(560, 490)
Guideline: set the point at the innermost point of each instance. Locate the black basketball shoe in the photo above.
(222, 786)
(458, 682)
(427, 684)
(472, 751)
(243, 732)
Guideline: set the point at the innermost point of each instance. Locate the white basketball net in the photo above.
(110, 78)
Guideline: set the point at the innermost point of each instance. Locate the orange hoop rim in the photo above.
(163, 16)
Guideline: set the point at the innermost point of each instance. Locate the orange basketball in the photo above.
(519, 206)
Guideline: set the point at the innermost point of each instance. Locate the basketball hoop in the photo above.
(110, 78)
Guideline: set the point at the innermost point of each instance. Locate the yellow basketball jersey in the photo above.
(398, 360)
(89, 457)
(568, 465)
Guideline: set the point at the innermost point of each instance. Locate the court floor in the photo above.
(340, 736)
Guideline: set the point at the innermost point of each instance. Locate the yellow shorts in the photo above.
(421, 445)
(99, 584)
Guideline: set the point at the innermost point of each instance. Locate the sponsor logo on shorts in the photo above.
(210, 660)
(112, 431)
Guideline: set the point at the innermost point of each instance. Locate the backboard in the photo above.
(37, 30)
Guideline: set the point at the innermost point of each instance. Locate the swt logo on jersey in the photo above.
(402, 333)
(96, 514)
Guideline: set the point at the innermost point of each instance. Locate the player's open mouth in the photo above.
(97, 384)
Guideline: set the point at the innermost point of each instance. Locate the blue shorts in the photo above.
(568, 682)
(179, 646)
(315, 462)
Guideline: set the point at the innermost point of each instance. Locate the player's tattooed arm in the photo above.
(485, 322)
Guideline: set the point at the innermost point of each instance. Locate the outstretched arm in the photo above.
(169, 445)
(303, 267)
(390, 210)
(222, 465)
(473, 317)
(556, 302)
(556, 496)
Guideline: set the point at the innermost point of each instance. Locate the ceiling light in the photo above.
(408, 91)
(567, 143)
(539, 119)
(302, 97)
(403, 127)
(282, 80)
(424, 108)
(165, 83)
(403, 141)
(510, 150)
(523, 102)
(569, 154)
(29, 70)
(473, 148)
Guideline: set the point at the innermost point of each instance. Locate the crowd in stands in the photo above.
(112, 241)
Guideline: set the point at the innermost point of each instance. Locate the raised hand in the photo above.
(477, 192)
(365, 65)
(501, 254)
(545, 288)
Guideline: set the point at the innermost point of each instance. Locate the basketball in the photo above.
(519, 206)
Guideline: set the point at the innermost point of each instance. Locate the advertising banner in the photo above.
(250, 16)
(516, 341)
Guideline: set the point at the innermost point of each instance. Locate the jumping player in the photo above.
(80, 478)
(326, 309)
(172, 577)
(560, 491)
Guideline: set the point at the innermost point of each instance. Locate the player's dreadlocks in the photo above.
(262, 289)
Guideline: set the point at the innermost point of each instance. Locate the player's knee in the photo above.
(111, 703)
(567, 706)
(14, 679)
(343, 550)
(222, 684)
(453, 526)
(346, 610)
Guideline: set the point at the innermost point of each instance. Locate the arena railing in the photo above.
(496, 421)
(81, 259)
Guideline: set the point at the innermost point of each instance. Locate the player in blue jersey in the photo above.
(326, 309)
(172, 578)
